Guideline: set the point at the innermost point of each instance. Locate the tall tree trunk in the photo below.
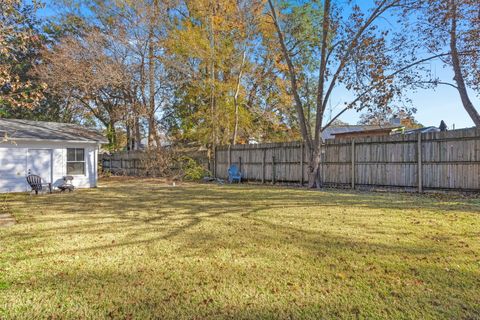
(137, 134)
(457, 69)
(151, 89)
(315, 165)
(314, 176)
(293, 78)
(112, 135)
(309, 107)
(235, 98)
(313, 147)
(129, 138)
(322, 73)
(213, 107)
(152, 131)
(152, 128)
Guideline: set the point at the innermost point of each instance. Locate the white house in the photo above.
(49, 149)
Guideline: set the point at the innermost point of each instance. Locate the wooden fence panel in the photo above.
(140, 163)
(447, 160)
(440, 160)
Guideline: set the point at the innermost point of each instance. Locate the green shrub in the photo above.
(192, 170)
(106, 174)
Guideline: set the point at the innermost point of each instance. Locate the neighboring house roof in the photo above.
(365, 131)
(423, 130)
(16, 129)
(330, 132)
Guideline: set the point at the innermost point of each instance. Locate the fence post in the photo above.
(301, 163)
(273, 169)
(240, 164)
(110, 163)
(229, 155)
(419, 166)
(214, 169)
(263, 164)
(323, 157)
(353, 163)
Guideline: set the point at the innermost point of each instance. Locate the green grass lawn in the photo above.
(143, 249)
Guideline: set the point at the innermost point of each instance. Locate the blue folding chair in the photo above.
(234, 174)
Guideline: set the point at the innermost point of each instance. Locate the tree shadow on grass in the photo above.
(144, 231)
(203, 222)
(140, 214)
(129, 291)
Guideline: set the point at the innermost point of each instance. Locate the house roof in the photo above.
(330, 132)
(16, 129)
(367, 131)
(423, 130)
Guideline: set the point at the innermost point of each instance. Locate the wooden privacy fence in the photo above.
(439, 160)
(141, 163)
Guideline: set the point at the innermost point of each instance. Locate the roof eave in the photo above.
(56, 140)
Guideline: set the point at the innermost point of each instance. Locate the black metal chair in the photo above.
(67, 184)
(36, 184)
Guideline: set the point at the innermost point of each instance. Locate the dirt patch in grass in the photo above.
(145, 249)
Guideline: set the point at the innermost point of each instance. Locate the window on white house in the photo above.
(75, 161)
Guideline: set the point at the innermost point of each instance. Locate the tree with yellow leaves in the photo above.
(225, 76)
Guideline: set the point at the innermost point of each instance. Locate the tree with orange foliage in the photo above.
(17, 38)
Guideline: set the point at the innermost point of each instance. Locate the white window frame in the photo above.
(77, 161)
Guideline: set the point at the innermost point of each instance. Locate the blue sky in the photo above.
(433, 105)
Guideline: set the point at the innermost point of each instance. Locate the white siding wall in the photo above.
(13, 164)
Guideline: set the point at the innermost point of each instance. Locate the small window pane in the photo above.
(75, 167)
(70, 154)
(75, 161)
(80, 154)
